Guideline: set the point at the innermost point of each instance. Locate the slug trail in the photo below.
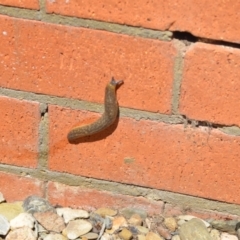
(109, 116)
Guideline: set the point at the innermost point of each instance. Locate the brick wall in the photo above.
(178, 131)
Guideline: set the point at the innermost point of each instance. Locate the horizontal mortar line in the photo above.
(89, 106)
(178, 199)
(76, 104)
(111, 27)
(85, 23)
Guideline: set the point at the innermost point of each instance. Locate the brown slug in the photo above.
(110, 114)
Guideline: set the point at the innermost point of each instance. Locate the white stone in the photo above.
(215, 234)
(54, 236)
(186, 217)
(71, 214)
(107, 236)
(176, 237)
(22, 220)
(226, 236)
(4, 225)
(21, 233)
(77, 228)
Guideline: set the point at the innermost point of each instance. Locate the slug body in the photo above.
(109, 116)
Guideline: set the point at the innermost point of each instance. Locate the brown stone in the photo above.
(21, 233)
(50, 221)
(136, 220)
(164, 232)
(170, 223)
(153, 236)
(125, 234)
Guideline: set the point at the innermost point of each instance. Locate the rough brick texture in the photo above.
(84, 61)
(19, 132)
(204, 18)
(187, 160)
(51, 58)
(15, 188)
(64, 195)
(31, 4)
(210, 86)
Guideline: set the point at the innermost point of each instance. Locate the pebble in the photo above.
(25, 233)
(104, 224)
(107, 236)
(141, 237)
(128, 212)
(106, 212)
(215, 234)
(142, 229)
(135, 219)
(90, 235)
(11, 210)
(125, 234)
(133, 230)
(153, 236)
(4, 225)
(117, 222)
(227, 236)
(54, 236)
(23, 220)
(224, 226)
(180, 222)
(190, 217)
(186, 217)
(176, 237)
(71, 214)
(170, 223)
(164, 232)
(34, 204)
(50, 221)
(194, 229)
(148, 223)
(77, 228)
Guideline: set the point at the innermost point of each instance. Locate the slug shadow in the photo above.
(97, 136)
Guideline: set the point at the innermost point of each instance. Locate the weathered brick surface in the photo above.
(170, 157)
(77, 63)
(206, 214)
(210, 86)
(204, 18)
(31, 4)
(15, 188)
(19, 132)
(173, 210)
(91, 198)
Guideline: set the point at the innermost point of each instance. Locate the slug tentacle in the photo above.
(109, 116)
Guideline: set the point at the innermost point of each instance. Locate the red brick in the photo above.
(210, 86)
(31, 4)
(189, 160)
(64, 195)
(214, 19)
(77, 63)
(19, 132)
(16, 188)
(210, 19)
(171, 210)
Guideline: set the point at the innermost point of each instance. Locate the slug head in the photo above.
(114, 83)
